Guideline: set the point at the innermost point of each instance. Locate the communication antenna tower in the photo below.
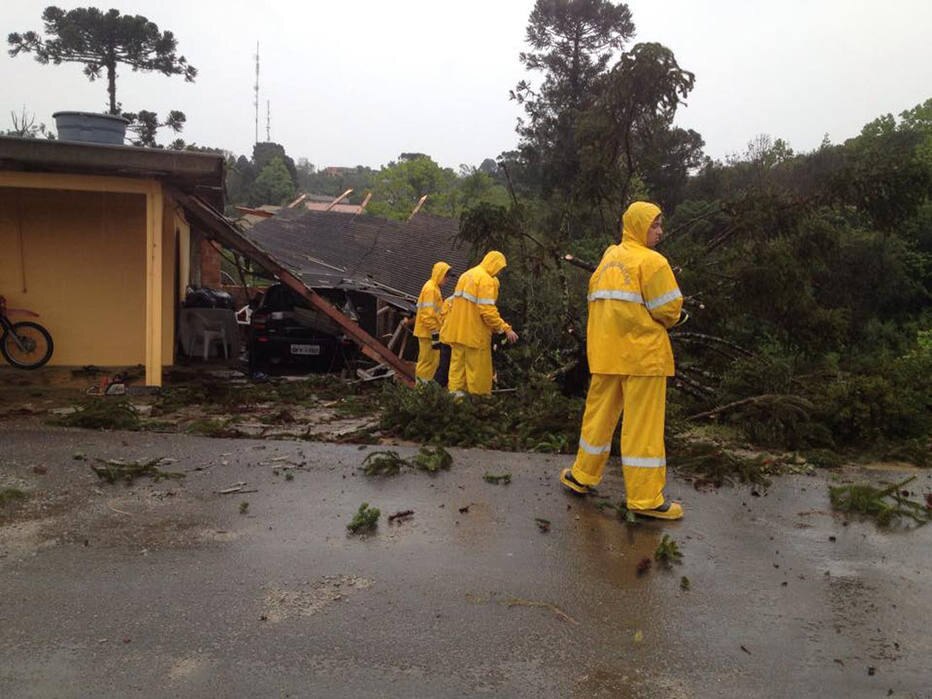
(268, 122)
(256, 100)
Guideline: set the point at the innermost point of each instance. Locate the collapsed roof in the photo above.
(389, 259)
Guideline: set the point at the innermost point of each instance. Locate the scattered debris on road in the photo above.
(365, 519)
(383, 463)
(668, 551)
(113, 470)
(885, 505)
(401, 516)
(433, 459)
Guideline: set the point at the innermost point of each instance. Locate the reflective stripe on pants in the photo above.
(641, 400)
(427, 360)
(470, 370)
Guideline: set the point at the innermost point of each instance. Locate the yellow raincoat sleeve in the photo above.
(445, 309)
(427, 321)
(662, 296)
(486, 300)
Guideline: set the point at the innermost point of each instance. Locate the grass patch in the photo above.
(497, 479)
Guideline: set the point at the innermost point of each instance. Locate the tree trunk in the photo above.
(111, 87)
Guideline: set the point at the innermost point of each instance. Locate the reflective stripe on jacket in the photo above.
(633, 299)
(430, 302)
(473, 315)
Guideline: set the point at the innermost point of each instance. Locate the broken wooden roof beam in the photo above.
(217, 226)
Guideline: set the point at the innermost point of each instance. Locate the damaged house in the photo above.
(371, 268)
(102, 241)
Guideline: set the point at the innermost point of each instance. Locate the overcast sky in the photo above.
(359, 83)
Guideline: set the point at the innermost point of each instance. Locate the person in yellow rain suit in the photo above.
(633, 300)
(427, 323)
(469, 326)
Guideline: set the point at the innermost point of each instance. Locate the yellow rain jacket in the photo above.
(473, 316)
(430, 302)
(633, 299)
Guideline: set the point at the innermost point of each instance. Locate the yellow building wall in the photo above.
(79, 260)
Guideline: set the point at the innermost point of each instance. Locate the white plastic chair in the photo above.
(214, 335)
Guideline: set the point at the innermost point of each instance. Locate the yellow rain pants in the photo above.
(642, 402)
(428, 321)
(428, 360)
(470, 370)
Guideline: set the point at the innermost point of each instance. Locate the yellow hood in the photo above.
(439, 272)
(494, 262)
(637, 220)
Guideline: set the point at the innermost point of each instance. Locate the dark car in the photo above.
(286, 332)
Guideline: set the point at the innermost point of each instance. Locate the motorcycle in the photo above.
(25, 345)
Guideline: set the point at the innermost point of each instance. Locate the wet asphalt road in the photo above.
(167, 589)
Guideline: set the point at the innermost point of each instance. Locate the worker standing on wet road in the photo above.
(633, 300)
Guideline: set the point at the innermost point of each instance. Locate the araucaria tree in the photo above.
(101, 41)
(571, 44)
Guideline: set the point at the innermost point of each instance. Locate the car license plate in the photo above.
(305, 349)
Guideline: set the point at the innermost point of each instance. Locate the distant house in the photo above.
(94, 239)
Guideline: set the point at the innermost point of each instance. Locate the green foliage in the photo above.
(212, 427)
(388, 463)
(145, 125)
(383, 463)
(571, 44)
(365, 519)
(398, 186)
(668, 551)
(888, 401)
(433, 459)
(9, 495)
(334, 181)
(101, 41)
(885, 505)
(514, 421)
(273, 185)
(102, 414)
(713, 464)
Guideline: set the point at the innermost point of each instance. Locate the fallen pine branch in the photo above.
(763, 399)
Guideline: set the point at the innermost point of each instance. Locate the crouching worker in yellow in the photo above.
(427, 323)
(469, 326)
(633, 299)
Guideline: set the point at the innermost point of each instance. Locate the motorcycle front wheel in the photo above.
(33, 349)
